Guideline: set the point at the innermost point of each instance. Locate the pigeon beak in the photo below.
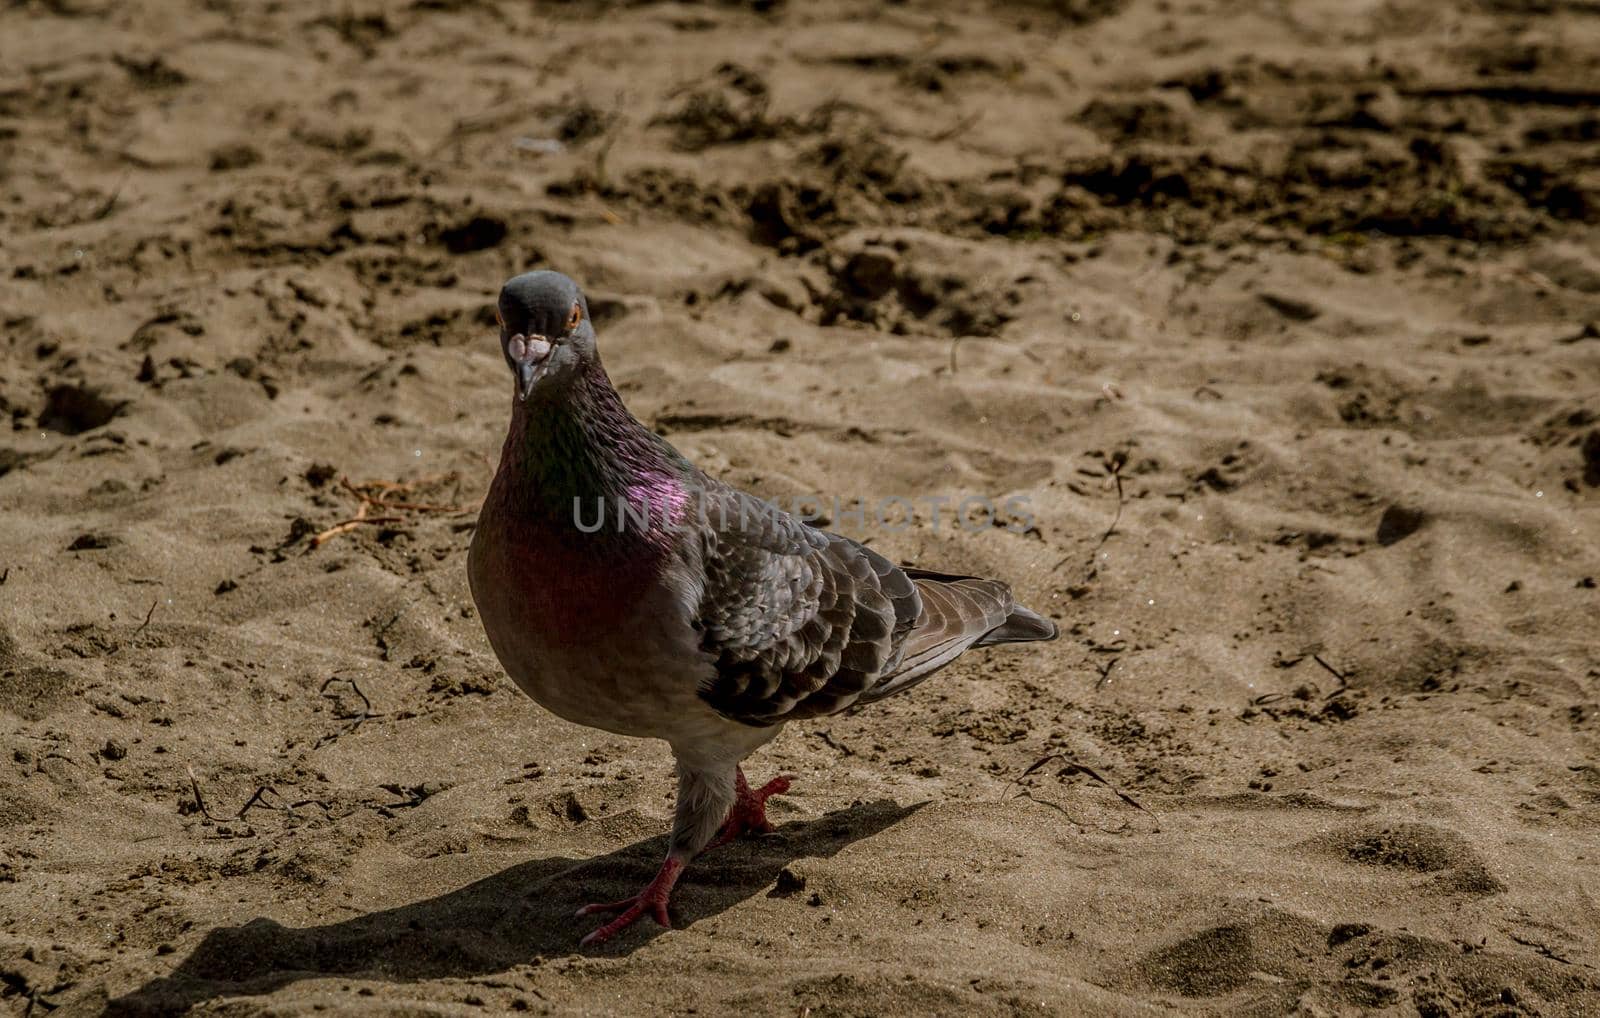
(529, 356)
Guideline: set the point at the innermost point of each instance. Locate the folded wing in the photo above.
(803, 623)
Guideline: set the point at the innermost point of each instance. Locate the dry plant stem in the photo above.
(956, 341)
(1113, 466)
(412, 485)
(1105, 672)
(355, 719)
(1116, 519)
(359, 519)
(366, 704)
(826, 736)
(1073, 766)
(1543, 949)
(380, 500)
(1074, 821)
(259, 799)
(1344, 684)
(199, 800)
(110, 204)
(1336, 673)
(959, 127)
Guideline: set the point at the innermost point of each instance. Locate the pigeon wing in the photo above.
(958, 612)
(800, 622)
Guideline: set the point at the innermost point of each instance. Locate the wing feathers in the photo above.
(803, 623)
(956, 613)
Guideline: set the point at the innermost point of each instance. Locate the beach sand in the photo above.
(1282, 321)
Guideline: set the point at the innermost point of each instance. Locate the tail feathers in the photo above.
(958, 613)
(1021, 626)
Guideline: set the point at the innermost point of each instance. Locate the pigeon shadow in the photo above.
(523, 913)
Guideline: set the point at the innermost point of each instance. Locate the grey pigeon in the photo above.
(625, 590)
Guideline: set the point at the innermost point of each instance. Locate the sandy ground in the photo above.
(1317, 282)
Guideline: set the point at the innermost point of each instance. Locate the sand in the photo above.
(1317, 284)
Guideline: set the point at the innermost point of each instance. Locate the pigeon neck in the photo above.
(581, 448)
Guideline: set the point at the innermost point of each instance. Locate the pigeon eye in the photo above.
(575, 316)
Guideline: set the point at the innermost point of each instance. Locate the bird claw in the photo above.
(598, 907)
(632, 909)
(651, 901)
(749, 812)
(748, 816)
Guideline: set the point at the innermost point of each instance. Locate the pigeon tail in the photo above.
(958, 613)
(1021, 626)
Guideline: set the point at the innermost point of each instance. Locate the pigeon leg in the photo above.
(749, 812)
(706, 791)
(652, 900)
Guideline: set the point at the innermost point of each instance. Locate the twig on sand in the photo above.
(355, 719)
(961, 126)
(956, 340)
(826, 735)
(1105, 672)
(386, 488)
(199, 800)
(377, 495)
(257, 800)
(105, 208)
(1544, 950)
(366, 704)
(1074, 821)
(147, 617)
(1336, 673)
(359, 519)
(1072, 766)
(1113, 465)
(260, 799)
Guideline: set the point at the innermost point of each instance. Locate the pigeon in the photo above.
(625, 590)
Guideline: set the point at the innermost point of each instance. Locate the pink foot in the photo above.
(653, 899)
(749, 812)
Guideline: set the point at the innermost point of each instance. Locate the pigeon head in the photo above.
(545, 331)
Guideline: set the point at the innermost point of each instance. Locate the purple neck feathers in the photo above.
(577, 456)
